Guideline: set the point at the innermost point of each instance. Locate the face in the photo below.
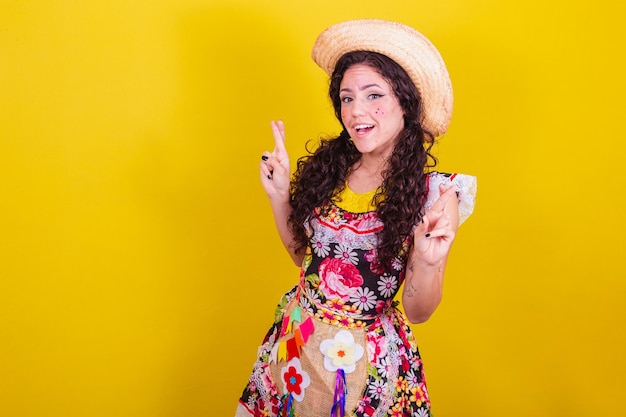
(370, 111)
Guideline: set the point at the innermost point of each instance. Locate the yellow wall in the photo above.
(139, 267)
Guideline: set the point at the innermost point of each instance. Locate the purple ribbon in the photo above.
(341, 391)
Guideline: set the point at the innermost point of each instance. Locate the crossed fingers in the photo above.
(275, 159)
(436, 222)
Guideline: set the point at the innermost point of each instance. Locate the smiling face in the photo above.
(370, 111)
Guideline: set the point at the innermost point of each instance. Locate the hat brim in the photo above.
(406, 46)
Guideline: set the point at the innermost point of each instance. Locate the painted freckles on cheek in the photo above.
(379, 111)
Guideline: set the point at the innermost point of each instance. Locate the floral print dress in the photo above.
(339, 345)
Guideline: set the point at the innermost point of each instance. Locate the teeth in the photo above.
(358, 127)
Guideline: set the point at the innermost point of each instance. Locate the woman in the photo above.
(362, 215)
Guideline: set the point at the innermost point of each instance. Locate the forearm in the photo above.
(281, 209)
(423, 289)
(426, 264)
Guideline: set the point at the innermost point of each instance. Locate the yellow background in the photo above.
(139, 266)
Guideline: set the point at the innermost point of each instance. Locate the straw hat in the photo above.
(409, 48)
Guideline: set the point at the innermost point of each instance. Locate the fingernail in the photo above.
(427, 234)
(264, 158)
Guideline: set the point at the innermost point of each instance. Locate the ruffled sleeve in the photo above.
(466, 185)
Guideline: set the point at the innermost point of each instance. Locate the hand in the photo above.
(275, 169)
(433, 237)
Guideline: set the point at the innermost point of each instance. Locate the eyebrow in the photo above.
(365, 87)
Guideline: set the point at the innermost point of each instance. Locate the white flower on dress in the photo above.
(320, 248)
(346, 253)
(312, 295)
(364, 299)
(387, 285)
(422, 412)
(377, 388)
(412, 379)
(383, 367)
(341, 352)
(396, 263)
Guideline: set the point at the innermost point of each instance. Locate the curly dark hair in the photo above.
(322, 174)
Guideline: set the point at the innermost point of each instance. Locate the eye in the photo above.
(374, 96)
(346, 99)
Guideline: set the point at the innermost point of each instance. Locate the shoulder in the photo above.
(466, 185)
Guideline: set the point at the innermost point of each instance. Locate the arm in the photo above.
(428, 257)
(275, 177)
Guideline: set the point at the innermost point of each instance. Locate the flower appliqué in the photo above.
(295, 379)
(341, 352)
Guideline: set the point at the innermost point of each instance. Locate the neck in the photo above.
(366, 174)
(371, 165)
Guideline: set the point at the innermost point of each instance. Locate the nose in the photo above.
(358, 108)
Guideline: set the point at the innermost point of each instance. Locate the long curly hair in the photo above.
(322, 174)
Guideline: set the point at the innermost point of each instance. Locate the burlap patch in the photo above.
(318, 398)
